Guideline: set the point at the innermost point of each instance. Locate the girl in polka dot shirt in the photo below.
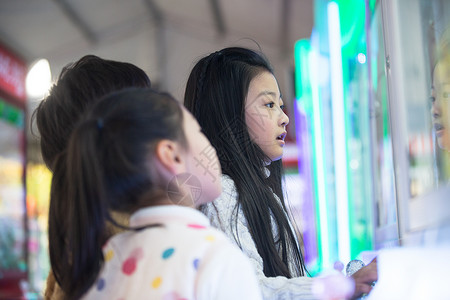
(139, 151)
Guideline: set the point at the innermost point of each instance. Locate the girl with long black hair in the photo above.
(236, 99)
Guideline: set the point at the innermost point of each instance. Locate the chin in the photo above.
(443, 144)
(276, 157)
(445, 147)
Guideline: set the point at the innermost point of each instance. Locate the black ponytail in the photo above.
(105, 169)
(86, 211)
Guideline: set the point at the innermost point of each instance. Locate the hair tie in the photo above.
(100, 124)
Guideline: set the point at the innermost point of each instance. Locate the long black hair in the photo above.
(106, 169)
(215, 94)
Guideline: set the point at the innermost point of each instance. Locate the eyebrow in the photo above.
(268, 93)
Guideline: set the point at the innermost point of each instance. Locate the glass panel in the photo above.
(424, 28)
(435, 16)
(417, 39)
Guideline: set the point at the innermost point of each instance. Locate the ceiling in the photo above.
(141, 31)
(163, 37)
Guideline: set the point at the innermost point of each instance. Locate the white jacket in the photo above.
(222, 215)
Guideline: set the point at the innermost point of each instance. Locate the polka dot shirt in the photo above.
(182, 259)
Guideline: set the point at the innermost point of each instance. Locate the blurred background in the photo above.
(364, 171)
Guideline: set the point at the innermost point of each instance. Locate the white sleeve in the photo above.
(221, 216)
(274, 287)
(225, 273)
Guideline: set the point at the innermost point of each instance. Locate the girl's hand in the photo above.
(364, 278)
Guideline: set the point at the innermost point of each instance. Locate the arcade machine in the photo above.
(416, 35)
(372, 84)
(13, 219)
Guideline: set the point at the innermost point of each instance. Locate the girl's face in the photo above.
(201, 162)
(440, 109)
(264, 115)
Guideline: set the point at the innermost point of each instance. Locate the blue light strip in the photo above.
(339, 136)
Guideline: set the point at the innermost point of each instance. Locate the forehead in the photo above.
(263, 83)
(442, 71)
(264, 78)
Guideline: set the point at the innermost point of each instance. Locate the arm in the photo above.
(273, 287)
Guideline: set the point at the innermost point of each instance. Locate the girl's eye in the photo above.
(282, 106)
(270, 105)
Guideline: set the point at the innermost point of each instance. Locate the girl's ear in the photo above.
(170, 157)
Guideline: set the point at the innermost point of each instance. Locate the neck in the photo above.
(161, 197)
(153, 198)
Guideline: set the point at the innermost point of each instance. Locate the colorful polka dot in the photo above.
(156, 283)
(210, 238)
(108, 255)
(129, 266)
(100, 284)
(195, 263)
(196, 226)
(168, 253)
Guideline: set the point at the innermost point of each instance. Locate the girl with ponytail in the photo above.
(136, 152)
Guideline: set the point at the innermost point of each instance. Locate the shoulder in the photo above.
(226, 273)
(228, 184)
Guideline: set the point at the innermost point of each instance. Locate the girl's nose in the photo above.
(435, 111)
(435, 105)
(284, 119)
